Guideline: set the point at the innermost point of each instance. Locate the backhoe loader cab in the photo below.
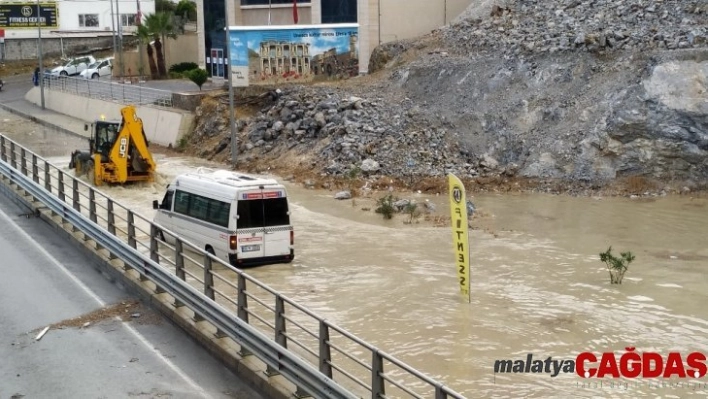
(118, 151)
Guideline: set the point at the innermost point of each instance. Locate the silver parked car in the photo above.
(73, 67)
(98, 69)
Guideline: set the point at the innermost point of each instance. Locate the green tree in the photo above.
(164, 6)
(187, 9)
(198, 76)
(144, 36)
(159, 25)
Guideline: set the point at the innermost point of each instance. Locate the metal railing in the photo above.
(123, 93)
(305, 348)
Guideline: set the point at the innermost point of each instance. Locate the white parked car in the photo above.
(98, 69)
(73, 67)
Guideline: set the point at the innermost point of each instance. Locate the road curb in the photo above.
(40, 121)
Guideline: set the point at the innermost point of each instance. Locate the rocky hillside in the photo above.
(579, 92)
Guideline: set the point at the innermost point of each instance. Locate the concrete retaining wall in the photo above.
(26, 49)
(163, 126)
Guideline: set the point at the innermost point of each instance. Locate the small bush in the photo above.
(183, 67)
(385, 206)
(616, 266)
(411, 209)
(198, 76)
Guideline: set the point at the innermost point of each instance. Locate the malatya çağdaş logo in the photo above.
(630, 364)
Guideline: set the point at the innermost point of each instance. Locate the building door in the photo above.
(216, 62)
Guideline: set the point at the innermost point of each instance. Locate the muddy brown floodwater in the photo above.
(538, 285)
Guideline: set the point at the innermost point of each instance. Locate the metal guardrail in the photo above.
(320, 358)
(123, 93)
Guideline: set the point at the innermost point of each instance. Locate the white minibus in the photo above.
(242, 219)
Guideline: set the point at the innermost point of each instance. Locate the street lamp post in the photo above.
(39, 50)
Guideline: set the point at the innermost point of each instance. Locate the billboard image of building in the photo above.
(276, 54)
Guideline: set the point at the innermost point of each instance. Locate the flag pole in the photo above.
(269, 9)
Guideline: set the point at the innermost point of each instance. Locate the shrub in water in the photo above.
(616, 266)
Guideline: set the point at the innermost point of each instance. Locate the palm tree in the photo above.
(161, 28)
(144, 36)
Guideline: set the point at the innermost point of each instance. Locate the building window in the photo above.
(127, 19)
(267, 2)
(88, 20)
(338, 11)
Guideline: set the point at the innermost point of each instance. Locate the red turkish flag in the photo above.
(295, 11)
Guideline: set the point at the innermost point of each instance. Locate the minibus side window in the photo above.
(167, 200)
(219, 213)
(182, 202)
(198, 207)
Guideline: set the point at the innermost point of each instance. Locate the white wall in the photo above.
(69, 12)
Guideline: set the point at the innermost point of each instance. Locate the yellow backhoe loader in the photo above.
(118, 151)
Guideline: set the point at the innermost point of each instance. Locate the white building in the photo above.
(70, 25)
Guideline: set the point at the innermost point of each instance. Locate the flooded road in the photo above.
(538, 285)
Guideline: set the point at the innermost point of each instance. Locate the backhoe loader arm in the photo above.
(130, 153)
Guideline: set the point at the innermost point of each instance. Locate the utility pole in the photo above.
(120, 40)
(140, 43)
(113, 28)
(39, 50)
(232, 117)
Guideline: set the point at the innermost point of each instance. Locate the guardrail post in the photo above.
(179, 267)
(325, 350)
(35, 169)
(23, 161)
(378, 389)
(179, 260)
(47, 177)
(439, 393)
(208, 277)
(110, 217)
(75, 194)
(280, 328)
(92, 206)
(3, 154)
(13, 157)
(154, 255)
(60, 183)
(242, 308)
(131, 230)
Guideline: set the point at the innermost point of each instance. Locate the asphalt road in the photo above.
(15, 87)
(45, 280)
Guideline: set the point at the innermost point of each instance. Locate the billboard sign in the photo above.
(265, 55)
(24, 15)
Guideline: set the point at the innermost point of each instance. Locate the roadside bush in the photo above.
(198, 76)
(183, 67)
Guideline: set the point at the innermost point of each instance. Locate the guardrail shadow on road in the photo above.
(320, 358)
